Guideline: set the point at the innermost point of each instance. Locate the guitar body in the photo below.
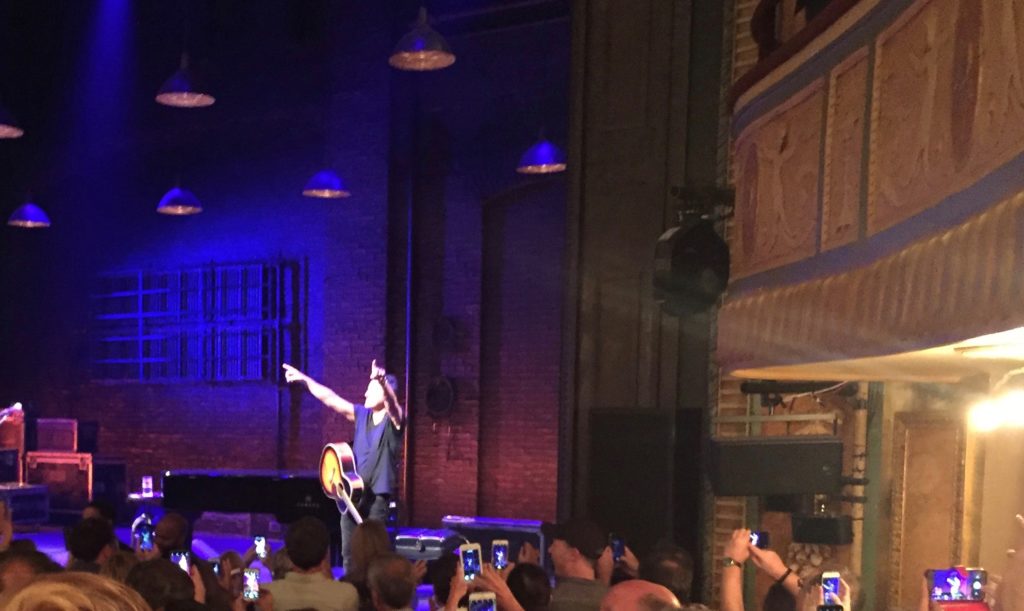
(338, 476)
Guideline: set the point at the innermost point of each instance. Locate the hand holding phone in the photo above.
(251, 584)
(483, 601)
(144, 536)
(760, 539)
(470, 555)
(499, 554)
(183, 559)
(260, 543)
(618, 546)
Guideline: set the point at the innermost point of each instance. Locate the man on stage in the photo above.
(378, 436)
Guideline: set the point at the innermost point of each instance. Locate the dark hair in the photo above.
(307, 541)
(672, 567)
(160, 581)
(23, 545)
(530, 586)
(391, 580)
(88, 538)
(105, 509)
(37, 561)
(778, 598)
(440, 573)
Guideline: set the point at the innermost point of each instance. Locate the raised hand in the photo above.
(768, 561)
(739, 546)
(528, 554)
(376, 372)
(291, 374)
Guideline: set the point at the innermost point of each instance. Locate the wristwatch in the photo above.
(727, 562)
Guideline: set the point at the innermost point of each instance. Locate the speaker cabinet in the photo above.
(827, 530)
(762, 466)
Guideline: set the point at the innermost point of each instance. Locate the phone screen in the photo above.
(144, 536)
(958, 583)
(260, 542)
(830, 588)
(483, 602)
(182, 559)
(499, 554)
(618, 549)
(760, 540)
(471, 562)
(251, 584)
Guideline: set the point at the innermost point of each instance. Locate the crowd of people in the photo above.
(104, 574)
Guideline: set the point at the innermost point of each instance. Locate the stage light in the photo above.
(422, 49)
(179, 202)
(542, 158)
(1005, 410)
(29, 216)
(8, 126)
(325, 184)
(183, 89)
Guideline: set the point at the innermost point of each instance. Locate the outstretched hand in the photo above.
(291, 374)
(376, 372)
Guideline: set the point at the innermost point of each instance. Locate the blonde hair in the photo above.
(76, 591)
(118, 565)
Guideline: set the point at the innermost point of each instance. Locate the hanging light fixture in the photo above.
(184, 89)
(325, 184)
(29, 216)
(179, 202)
(542, 158)
(422, 49)
(8, 126)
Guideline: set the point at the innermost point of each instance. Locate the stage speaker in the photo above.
(691, 268)
(110, 484)
(761, 466)
(826, 530)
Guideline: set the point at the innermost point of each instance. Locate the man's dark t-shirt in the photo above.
(376, 447)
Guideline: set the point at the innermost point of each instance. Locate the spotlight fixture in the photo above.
(29, 216)
(325, 184)
(184, 89)
(542, 158)
(179, 202)
(8, 126)
(422, 49)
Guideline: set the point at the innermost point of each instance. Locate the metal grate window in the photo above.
(217, 323)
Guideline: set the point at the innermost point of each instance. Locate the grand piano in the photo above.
(287, 495)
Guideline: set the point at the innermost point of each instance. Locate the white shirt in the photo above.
(313, 590)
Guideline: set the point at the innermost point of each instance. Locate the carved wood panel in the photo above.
(844, 152)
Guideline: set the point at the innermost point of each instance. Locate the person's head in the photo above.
(639, 595)
(671, 567)
(171, 533)
(75, 591)
(280, 563)
(100, 510)
(391, 582)
(575, 547)
(20, 568)
(810, 595)
(440, 573)
(160, 581)
(369, 540)
(374, 397)
(307, 542)
(118, 565)
(91, 540)
(530, 586)
(778, 598)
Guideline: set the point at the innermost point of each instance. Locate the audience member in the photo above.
(118, 565)
(369, 540)
(280, 563)
(440, 574)
(19, 568)
(392, 583)
(90, 543)
(173, 533)
(160, 582)
(530, 586)
(307, 585)
(672, 567)
(779, 598)
(639, 595)
(576, 546)
(76, 591)
(102, 510)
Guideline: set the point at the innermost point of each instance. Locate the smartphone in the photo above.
(260, 543)
(143, 536)
(469, 554)
(183, 559)
(618, 548)
(215, 566)
(251, 584)
(957, 583)
(499, 553)
(483, 601)
(760, 539)
(830, 589)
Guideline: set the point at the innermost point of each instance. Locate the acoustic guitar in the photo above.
(339, 479)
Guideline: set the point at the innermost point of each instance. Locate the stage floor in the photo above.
(50, 541)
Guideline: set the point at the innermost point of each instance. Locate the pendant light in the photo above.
(325, 184)
(184, 89)
(8, 126)
(422, 49)
(29, 216)
(544, 157)
(179, 202)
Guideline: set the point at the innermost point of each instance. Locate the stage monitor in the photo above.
(761, 466)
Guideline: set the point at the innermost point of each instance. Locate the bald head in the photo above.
(639, 595)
